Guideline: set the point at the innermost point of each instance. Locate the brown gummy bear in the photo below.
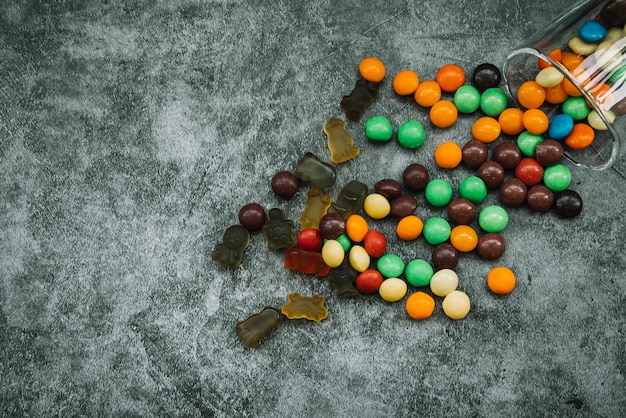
(350, 199)
(306, 261)
(363, 94)
(278, 231)
(307, 307)
(340, 142)
(316, 206)
(229, 252)
(343, 279)
(311, 168)
(257, 326)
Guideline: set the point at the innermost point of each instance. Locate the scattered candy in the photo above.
(332, 225)
(310, 239)
(568, 204)
(448, 155)
(428, 93)
(450, 77)
(311, 168)
(493, 101)
(379, 129)
(392, 289)
(443, 282)
(252, 216)
(539, 198)
(306, 261)
(463, 238)
(411, 134)
(529, 171)
(305, 307)
(493, 218)
(456, 305)
(356, 227)
(278, 230)
(390, 265)
(467, 99)
(475, 153)
(473, 188)
(418, 273)
(557, 177)
(403, 205)
(436, 230)
(343, 279)
(316, 206)
(438, 192)
(415, 176)
(284, 184)
(409, 228)
(461, 211)
(420, 305)
(491, 246)
(333, 253)
(486, 129)
(350, 199)
(369, 281)
(340, 141)
(513, 192)
(389, 188)
(501, 280)
(363, 94)
(445, 256)
(443, 114)
(492, 173)
(507, 154)
(375, 243)
(376, 206)
(372, 69)
(405, 82)
(359, 258)
(485, 76)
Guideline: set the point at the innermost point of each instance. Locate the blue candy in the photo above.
(592, 31)
(560, 126)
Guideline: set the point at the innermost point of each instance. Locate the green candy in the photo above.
(438, 192)
(436, 230)
(411, 134)
(467, 99)
(557, 177)
(473, 189)
(493, 101)
(576, 107)
(378, 128)
(418, 273)
(618, 75)
(493, 218)
(344, 241)
(390, 265)
(528, 142)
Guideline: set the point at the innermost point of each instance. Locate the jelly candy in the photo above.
(305, 261)
(350, 199)
(307, 307)
(363, 94)
(311, 168)
(256, 327)
(343, 279)
(278, 231)
(340, 142)
(317, 204)
(229, 252)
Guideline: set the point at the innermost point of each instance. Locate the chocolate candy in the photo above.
(403, 205)
(438, 192)
(486, 76)
(389, 188)
(436, 230)
(568, 204)
(252, 216)
(363, 94)
(557, 177)
(258, 326)
(474, 153)
(340, 142)
(513, 192)
(507, 154)
(311, 168)
(411, 134)
(332, 225)
(229, 252)
(493, 218)
(379, 129)
(539, 198)
(415, 176)
(614, 13)
(473, 189)
(284, 184)
(529, 171)
(278, 231)
(445, 256)
(549, 152)
(491, 173)
(493, 101)
(461, 211)
(491, 246)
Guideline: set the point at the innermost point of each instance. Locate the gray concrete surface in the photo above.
(132, 132)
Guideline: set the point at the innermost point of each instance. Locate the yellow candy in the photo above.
(443, 282)
(456, 305)
(549, 77)
(581, 47)
(359, 258)
(613, 35)
(376, 206)
(333, 253)
(596, 122)
(392, 289)
(608, 56)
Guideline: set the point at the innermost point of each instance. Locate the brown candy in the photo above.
(491, 246)
(403, 205)
(252, 216)
(507, 154)
(461, 211)
(445, 256)
(513, 192)
(492, 173)
(539, 198)
(474, 153)
(549, 152)
(415, 176)
(389, 188)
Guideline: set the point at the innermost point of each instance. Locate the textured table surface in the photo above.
(132, 132)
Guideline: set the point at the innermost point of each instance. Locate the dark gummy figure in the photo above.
(549, 152)
(491, 246)
(363, 94)
(306, 261)
(350, 199)
(415, 176)
(229, 252)
(278, 231)
(461, 211)
(332, 225)
(513, 192)
(257, 326)
(252, 216)
(343, 279)
(507, 154)
(486, 76)
(614, 13)
(474, 153)
(403, 205)
(539, 198)
(389, 188)
(284, 184)
(445, 256)
(492, 173)
(568, 204)
(319, 173)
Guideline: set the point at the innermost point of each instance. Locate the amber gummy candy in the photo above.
(316, 206)
(306, 261)
(340, 142)
(305, 307)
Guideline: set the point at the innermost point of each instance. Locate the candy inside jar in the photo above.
(575, 72)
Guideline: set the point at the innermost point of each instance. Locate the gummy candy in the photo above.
(229, 252)
(307, 307)
(343, 279)
(306, 261)
(311, 168)
(257, 326)
(340, 142)
(317, 204)
(278, 231)
(350, 199)
(363, 94)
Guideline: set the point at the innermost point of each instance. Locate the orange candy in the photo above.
(428, 93)
(570, 88)
(581, 136)
(556, 94)
(372, 69)
(554, 55)
(464, 238)
(420, 305)
(510, 121)
(571, 60)
(356, 228)
(409, 228)
(531, 95)
(486, 129)
(448, 155)
(443, 114)
(501, 280)
(535, 121)
(405, 82)
(450, 77)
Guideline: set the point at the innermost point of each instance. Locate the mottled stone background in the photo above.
(132, 132)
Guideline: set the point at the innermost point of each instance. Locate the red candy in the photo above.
(375, 243)
(529, 171)
(369, 281)
(310, 239)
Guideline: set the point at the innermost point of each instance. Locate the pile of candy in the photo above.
(336, 238)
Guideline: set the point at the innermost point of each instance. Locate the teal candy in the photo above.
(390, 265)
(528, 142)
(493, 101)
(411, 134)
(557, 177)
(467, 99)
(473, 189)
(493, 218)
(378, 128)
(418, 273)
(438, 192)
(576, 107)
(436, 230)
